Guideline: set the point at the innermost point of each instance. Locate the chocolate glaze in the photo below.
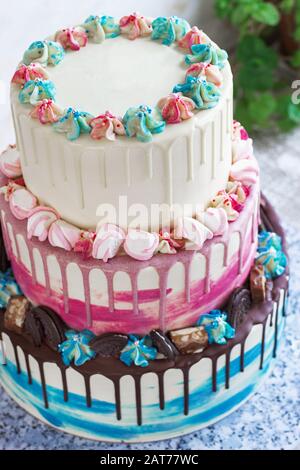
(114, 369)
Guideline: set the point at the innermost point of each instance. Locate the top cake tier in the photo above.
(170, 142)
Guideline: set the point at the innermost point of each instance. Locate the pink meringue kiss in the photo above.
(242, 145)
(40, 221)
(176, 108)
(245, 171)
(106, 126)
(141, 245)
(29, 72)
(10, 164)
(63, 235)
(21, 203)
(193, 231)
(108, 241)
(135, 25)
(211, 72)
(72, 38)
(215, 219)
(46, 111)
(194, 36)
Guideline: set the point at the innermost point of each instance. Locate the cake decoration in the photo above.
(22, 202)
(176, 108)
(135, 25)
(238, 307)
(168, 245)
(169, 30)
(190, 340)
(245, 171)
(72, 38)
(8, 287)
(15, 313)
(141, 245)
(10, 165)
(204, 94)
(46, 111)
(141, 123)
(39, 222)
(4, 261)
(44, 52)
(37, 90)
(106, 126)
(108, 241)
(138, 352)
(270, 255)
(163, 344)
(258, 283)
(215, 219)
(238, 192)
(76, 347)
(63, 235)
(193, 231)
(216, 326)
(207, 53)
(25, 73)
(192, 37)
(211, 72)
(52, 327)
(73, 123)
(85, 243)
(109, 344)
(224, 201)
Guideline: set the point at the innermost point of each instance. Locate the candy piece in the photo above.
(141, 245)
(216, 326)
(47, 112)
(34, 329)
(163, 345)
(238, 307)
(138, 352)
(25, 73)
(106, 125)
(76, 347)
(72, 38)
(53, 327)
(169, 30)
(176, 108)
(15, 314)
(85, 243)
(204, 94)
(10, 164)
(39, 222)
(211, 72)
(258, 284)
(215, 219)
(108, 241)
(190, 340)
(109, 345)
(21, 203)
(224, 201)
(44, 52)
(193, 231)
(73, 123)
(63, 235)
(141, 122)
(207, 53)
(245, 171)
(168, 245)
(135, 25)
(37, 90)
(192, 37)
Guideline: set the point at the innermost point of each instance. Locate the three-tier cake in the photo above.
(148, 280)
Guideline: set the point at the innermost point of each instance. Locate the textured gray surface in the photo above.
(271, 419)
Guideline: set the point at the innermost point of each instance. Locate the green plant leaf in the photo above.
(287, 5)
(266, 13)
(294, 112)
(295, 60)
(252, 47)
(261, 108)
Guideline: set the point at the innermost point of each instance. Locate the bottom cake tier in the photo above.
(105, 399)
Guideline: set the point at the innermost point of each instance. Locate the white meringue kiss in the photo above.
(21, 203)
(141, 245)
(242, 149)
(10, 164)
(39, 222)
(195, 232)
(108, 241)
(63, 235)
(245, 171)
(215, 219)
(165, 248)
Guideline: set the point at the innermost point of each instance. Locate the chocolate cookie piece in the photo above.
(190, 340)
(258, 284)
(15, 313)
(109, 345)
(238, 306)
(53, 326)
(33, 327)
(163, 344)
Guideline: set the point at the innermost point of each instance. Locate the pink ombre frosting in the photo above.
(24, 73)
(108, 241)
(40, 221)
(193, 231)
(194, 36)
(135, 25)
(22, 202)
(63, 235)
(176, 108)
(46, 111)
(10, 164)
(141, 245)
(245, 171)
(72, 38)
(215, 219)
(212, 73)
(106, 126)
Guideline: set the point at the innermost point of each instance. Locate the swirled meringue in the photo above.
(242, 145)
(46, 111)
(141, 245)
(204, 94)
(207, 53)
(223, 200)
(10, 164)
(169, 30)
(108, 241)
(140, 122)
(39, 222)
(211, 72)
(44, 52)
(106, 125)
(193, 231)
(100, 27)
(21, 203)
(237, 188)
(192, 37)
(176, 108)
(63, 235)
(25, 73)
(215, 219)
(73, 123)
(37, 90)
(168, 245)
(245, 171)
(135, 25)
(72, 38)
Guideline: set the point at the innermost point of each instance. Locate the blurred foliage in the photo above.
(263, 74)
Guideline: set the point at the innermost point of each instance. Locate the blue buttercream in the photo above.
(204, 94)
(138, 352)
(45, 52)
(8, 287)
(207, 53)
(169, 30)
(216, 326)
(73, 123)
(37, 90)
(110, 26)
(270, 254)
(141, 123)
(76, 347)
